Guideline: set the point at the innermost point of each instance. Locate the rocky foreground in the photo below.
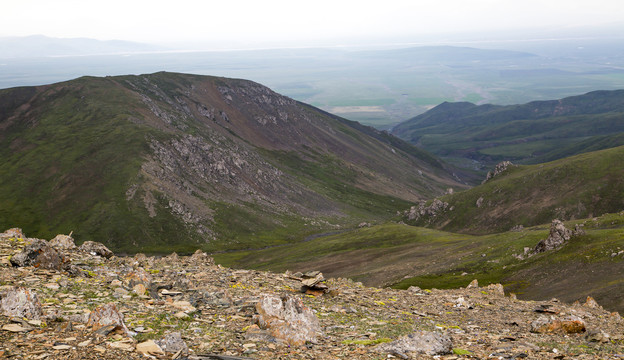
(60, 301)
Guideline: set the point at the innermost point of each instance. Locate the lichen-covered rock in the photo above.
(418, 343)
(107, 315)
(569, 325)
(96, 248)
(287, 319)
(39, 254)
(20, 303)
(12, 233)
(559, 234)
(172, 343)
(63, 242)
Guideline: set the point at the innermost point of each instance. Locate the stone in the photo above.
(559, 234)
(172, 343)
(474, 284)
(549, 325)
(15, 328)
(421, 342)
(139, 289)
(287, 319)
(200, 257)
(149, 347)
(414, 289)
(591, 303)
(107, 315)
(39, 254)
(20, 303)
(96, 248)
(63, 242)
(597, 335)
(496, 289)
(13, 233)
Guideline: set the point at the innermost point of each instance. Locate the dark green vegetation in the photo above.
(577, 187)
(401, 256)
(478, 137)
(172, 162)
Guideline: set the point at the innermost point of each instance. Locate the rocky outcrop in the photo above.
(427, 211)
(498, 170)
(559, 234)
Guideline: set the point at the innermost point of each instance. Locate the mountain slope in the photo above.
(525, 133)
(577, 187)
(171, 161)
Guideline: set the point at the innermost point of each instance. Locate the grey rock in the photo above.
(421, 342)
(63, 242)
(96, 248)
(20, 303)
(498, 169)
(287, 319)
(39, 254)
(172, 343)
(106, 315)
(559, 234)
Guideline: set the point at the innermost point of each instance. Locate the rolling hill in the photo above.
(170, 161)
(576, 187)
(478, 137)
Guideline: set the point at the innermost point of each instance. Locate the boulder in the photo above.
(287, 319)
(20, 303)
(107, 315)
(172, 343)
(63, 242)
(96, 248)
(421, 342)
(13, 233)
(548, 325)
(200, 257)
(39, 254)
(559, 234)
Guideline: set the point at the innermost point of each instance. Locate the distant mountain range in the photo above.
(478, 137)
(171, 161)
(43, 46)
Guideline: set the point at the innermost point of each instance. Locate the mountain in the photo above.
(576, 187)
(43, 46)
(478, 137)
(169, 161)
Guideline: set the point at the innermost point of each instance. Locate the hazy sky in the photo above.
(294, 22)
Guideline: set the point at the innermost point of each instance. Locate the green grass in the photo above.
(407, 256)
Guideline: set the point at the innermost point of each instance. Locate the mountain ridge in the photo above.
(223, 162)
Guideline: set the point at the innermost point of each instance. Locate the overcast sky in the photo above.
(292, 22)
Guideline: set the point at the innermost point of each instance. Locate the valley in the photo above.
(167, 162)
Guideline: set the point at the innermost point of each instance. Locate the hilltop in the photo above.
(479, 136)
(169, 161)
(92, 304)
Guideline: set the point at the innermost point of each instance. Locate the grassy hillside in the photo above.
(581, 186)
(173, 162)
(480, 136)
(401, 256)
